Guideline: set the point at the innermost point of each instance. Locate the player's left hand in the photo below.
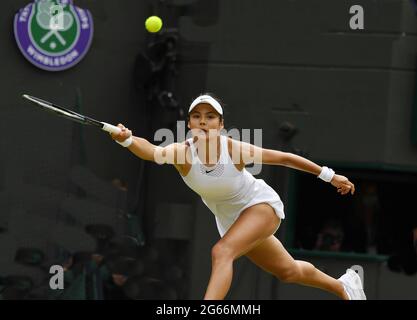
(343, 184)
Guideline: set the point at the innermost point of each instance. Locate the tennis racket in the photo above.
(71, 115)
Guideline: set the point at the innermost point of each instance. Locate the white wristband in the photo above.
(326, 174)
(126, 143)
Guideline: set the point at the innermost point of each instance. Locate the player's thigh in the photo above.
(271, 256)
(254, 225)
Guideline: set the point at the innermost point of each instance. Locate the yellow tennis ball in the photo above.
(153, 24)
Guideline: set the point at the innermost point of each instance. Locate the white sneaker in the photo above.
(352, 284)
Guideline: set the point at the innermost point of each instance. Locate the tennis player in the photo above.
(248, 212)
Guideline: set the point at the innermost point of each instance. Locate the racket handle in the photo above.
(111, 128)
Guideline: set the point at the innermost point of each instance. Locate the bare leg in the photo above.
(254, 225)
(271, 256)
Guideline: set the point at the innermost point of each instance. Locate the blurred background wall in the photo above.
(341, 97)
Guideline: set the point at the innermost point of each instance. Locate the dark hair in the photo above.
(215, 98)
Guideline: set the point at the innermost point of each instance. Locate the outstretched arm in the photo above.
(145, 150)
(250, 153)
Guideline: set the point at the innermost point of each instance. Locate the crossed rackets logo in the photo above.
(52, 18)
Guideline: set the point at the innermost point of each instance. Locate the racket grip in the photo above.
(111, 128)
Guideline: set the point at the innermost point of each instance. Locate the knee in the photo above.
(221, 251)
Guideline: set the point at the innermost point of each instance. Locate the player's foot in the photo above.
(352, 284)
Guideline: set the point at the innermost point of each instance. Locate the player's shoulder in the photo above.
(183, 145)
(182, 148)
(232, 145)
(232, 142)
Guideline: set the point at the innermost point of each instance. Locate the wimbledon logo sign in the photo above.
(54, 35)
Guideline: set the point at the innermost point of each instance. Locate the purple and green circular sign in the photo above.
(53, 35)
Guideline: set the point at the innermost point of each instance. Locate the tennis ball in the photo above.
(153, 24)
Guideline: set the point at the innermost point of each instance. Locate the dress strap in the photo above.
(224, 149)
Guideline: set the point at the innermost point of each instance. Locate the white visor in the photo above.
(209, 100)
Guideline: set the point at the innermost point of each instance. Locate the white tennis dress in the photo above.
(225, 190)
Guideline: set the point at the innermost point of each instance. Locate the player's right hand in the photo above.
(122, 136)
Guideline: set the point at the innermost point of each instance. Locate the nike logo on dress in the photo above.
(209, 171)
